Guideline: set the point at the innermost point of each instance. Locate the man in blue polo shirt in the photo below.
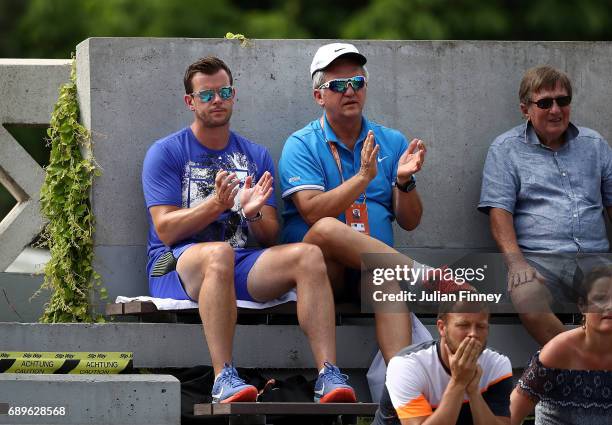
(342, 169)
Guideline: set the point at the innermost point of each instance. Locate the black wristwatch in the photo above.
(408, 186)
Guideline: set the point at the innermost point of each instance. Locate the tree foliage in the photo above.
(52, 28)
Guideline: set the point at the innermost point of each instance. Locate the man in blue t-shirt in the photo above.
(342, 169)
(206, 189)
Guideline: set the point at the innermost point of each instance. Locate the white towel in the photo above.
(171, 304)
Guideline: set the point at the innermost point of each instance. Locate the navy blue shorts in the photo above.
(166, 283)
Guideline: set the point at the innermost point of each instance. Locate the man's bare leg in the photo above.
(300, 265)
(207, 272)
(393, 332)
(532, 301)
(344, 246)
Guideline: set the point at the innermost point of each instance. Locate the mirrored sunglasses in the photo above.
(340, 85)
(225, 93)
(547, 102)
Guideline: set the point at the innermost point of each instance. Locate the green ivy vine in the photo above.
(65, 204)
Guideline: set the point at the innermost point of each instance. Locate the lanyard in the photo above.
(336, 155)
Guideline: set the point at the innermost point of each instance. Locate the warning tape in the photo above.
(66, 362)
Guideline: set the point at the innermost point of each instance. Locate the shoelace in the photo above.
(333, 374)
(230, 375)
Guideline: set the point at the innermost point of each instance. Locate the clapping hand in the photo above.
(369, 151)
(411, 161)
(252, 199)
(226, 188)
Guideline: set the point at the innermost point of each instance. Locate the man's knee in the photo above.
(326, 228)
(216, 255)
(309, 259)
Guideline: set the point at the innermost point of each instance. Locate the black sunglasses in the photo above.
(547, 102)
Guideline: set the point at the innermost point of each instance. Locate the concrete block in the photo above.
(16, 304)
(155, 344)
(93, 399)
(457, 96)
(256, 346)
(29, 90)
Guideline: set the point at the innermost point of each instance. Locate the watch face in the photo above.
(408, 186)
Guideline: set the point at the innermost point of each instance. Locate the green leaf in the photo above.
(64, 202)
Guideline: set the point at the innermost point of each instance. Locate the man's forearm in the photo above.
(265, 231)
(481, 413)
(331, 203)
(181, 223)
(408, 208)
(450, 406)
(502, 228)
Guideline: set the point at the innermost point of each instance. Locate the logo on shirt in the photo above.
(294, 179)
(379, 159)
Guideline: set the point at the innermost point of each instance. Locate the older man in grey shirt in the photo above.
(545, 186)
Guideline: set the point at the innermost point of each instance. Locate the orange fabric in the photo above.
(501, 378)
(414, 408)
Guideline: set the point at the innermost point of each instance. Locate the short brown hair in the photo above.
(209, 65)
(447, 307)
(542, 77)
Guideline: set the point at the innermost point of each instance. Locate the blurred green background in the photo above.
(52, 28)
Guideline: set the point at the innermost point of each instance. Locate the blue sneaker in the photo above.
(229, 387)
(331, 387)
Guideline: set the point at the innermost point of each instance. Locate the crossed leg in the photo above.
(342, 248)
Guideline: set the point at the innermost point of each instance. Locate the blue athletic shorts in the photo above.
(164, 281)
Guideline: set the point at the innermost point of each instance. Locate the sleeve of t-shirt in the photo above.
(268, 165)
(499, 184)
(299, 168)
(606, 177)
(406, 386)
(499, 386)
(161, 178)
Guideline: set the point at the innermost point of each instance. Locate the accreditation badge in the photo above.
(357, 218)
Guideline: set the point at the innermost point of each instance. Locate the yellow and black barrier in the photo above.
(80, 363)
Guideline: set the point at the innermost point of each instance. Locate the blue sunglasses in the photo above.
(340, 85)
(225, 93)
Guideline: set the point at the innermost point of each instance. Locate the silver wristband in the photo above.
(257, 217)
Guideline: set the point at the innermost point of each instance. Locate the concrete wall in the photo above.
(154, 344)
(28, 91)
(457, 96)
(16, 302)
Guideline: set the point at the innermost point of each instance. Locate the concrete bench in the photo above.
(146, 311)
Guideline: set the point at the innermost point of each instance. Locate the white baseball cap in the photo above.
(330, 52)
